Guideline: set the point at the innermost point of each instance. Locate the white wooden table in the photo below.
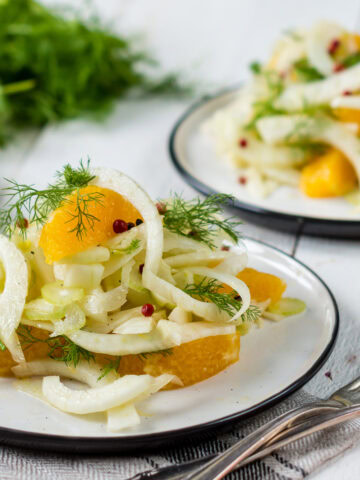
(212, 42)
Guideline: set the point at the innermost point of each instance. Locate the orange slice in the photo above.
(262, 286)
(57, 238)
(330, 175)
(192, 362)
(32, 352)
(348, 115)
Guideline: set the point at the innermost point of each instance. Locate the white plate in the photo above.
(274, 361)
(193, 153)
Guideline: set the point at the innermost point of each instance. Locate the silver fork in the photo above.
(288, 427)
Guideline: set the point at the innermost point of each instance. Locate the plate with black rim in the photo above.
(193, 153)
(275, 360)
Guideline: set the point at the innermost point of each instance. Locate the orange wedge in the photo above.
(348, 115)
(192, 362)
(330, 175)
(262, 286)
(32, 352)
(59, 240)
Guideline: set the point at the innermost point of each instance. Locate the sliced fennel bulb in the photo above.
(12, 298)
(41, 309)
(87, 277)
(59, 295)
(136, 325)
(74, 320)
(93, 400)
(98, 302)
(125, 416)
(276, 129)
(320, 92)
(238, 285)
(85, 372)
(165, 335)
(97, 254)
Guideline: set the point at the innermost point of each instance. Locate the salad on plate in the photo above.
(107, 297)
(297, 122)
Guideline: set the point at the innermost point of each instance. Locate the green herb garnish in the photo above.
(61, 348)
(27, 202)
(200, 219)
(53, 67)
(165, 353)
(351, 60)
(2, 346)
(265, 106)
(255, 67)
(131, 248)
(306, 72)
(210, 289)
(310, 149)
(111, 365)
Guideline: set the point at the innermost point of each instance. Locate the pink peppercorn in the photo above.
(23, 223)
(147, 310)
(242, 180)
(120, 226)
(339, 67)
(243, 142)
(161, 207)
(334, 45)
(347, 93)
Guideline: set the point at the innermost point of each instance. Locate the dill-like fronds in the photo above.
(255, 67)
(132, 247)
(111, 365)
(210, 289)
(265, 106)
(26, 202)
(61, 348)
(200, 219)
(306, 72)
(165, 353)
(351, 60)
(53, 67)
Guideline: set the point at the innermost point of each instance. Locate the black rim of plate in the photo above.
(124, 444)
(267, 217)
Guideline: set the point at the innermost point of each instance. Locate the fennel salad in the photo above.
(126, 296)
(297, 121)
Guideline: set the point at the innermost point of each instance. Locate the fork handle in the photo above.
(221, 465)
(177, 472)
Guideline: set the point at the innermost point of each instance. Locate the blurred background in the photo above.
(209, 42)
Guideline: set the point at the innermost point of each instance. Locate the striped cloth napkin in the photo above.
(293, 462)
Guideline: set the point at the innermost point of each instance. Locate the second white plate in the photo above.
(193, 154)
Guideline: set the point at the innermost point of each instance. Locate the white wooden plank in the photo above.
(338, 263)
(12, 157)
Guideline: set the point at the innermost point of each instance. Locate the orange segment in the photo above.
(330, 175)
(58, 241)
(356, 39)
(262, 286)
(32, 352)
(349, 115)
(192, 362)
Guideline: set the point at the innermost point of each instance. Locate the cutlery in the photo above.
(294, 427)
